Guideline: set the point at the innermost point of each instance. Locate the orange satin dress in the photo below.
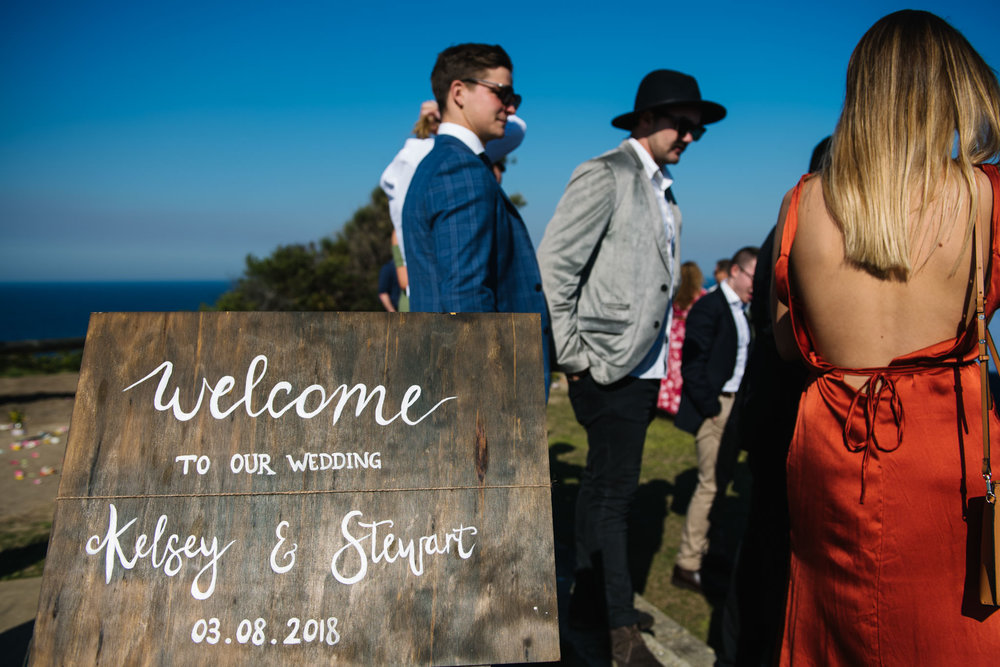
(879, 481)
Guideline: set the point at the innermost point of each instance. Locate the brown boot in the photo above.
(628, 649)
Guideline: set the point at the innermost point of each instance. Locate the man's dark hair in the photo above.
(820, 155)
(744, 255)
(465, 61)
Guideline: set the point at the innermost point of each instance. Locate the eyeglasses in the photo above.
(741, 268)
(506, 94)
(685, 126)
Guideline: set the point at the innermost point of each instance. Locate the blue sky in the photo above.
(169, 140)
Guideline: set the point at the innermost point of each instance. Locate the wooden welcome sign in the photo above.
(303, 488)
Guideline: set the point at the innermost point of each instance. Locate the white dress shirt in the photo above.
(661, 180)
(742, 337)
(463, 134)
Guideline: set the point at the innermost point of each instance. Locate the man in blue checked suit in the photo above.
(467, 249)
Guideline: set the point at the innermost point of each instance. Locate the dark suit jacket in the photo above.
(467, 249)
(708, 359)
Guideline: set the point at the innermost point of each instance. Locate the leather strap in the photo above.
(983, 336)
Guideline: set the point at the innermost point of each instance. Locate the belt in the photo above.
(728, 394)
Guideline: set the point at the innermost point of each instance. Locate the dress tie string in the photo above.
(874, 388)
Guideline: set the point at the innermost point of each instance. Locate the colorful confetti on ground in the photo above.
(23, 465)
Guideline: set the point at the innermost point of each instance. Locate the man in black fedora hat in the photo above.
(610, 264)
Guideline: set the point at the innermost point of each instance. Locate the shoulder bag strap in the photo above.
(983, 335)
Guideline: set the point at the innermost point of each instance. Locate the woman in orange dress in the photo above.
(874, 262)
(691, 290)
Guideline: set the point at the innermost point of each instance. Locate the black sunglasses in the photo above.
(685, 126)
(506, 94)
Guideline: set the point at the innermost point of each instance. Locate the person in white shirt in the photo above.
(716, 346)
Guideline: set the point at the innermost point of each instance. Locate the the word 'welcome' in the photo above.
(280, 392)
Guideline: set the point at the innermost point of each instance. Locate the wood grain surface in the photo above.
(296, 488)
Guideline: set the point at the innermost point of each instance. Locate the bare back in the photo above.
(860, 321)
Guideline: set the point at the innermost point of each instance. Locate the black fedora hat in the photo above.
(665, 87)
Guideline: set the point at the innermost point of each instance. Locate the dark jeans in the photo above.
(615, 417)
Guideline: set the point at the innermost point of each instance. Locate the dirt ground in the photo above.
(29, 483)
(27, 488)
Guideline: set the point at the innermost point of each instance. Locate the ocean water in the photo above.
(62, 310)
(39, 310)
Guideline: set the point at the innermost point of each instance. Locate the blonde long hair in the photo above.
(917, 93)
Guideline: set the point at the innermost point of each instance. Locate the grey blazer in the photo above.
(607, 271)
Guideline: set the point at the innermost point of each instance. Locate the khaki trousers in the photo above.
(694, 537)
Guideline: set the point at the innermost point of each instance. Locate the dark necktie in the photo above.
(486, 160)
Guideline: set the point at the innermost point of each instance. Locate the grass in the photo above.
(668, 478)
(22, 549)
(22, 364)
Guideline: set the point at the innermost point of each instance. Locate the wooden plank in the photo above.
(449, 456)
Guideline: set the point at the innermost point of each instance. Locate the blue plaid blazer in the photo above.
(467, 249)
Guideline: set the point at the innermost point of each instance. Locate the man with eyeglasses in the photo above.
(467, 249)
(716, 348)
(610, 265)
